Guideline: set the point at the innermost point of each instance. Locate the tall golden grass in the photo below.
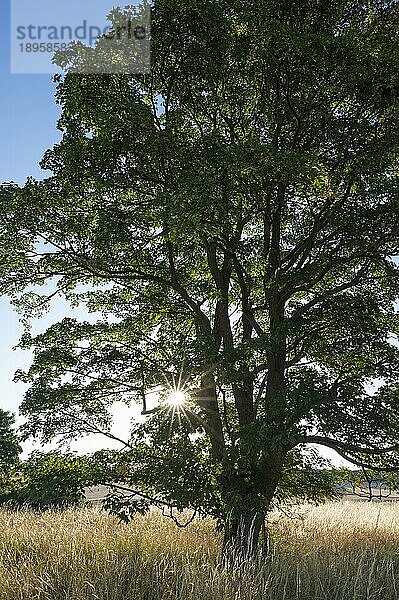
(334, 552)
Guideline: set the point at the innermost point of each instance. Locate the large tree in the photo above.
(233, 216)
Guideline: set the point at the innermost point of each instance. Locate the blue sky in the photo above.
(28, 116)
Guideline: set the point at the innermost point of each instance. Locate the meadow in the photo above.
(338, 551)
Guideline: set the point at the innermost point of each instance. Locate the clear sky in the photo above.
(28, 116)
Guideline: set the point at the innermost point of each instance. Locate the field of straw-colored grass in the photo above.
(334, 552)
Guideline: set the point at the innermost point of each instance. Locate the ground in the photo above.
(339, 551)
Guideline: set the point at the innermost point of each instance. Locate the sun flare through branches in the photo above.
(176, 398)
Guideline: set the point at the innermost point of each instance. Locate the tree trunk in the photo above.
(241, 542)
(242, 533)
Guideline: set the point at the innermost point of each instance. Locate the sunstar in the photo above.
(176, 398)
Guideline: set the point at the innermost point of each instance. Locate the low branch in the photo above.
(343, 449)
(326, 441)
(156, 501)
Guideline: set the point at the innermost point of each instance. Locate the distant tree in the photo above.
(233, 216)
(49, 480)
(371, 484)
(9, 444)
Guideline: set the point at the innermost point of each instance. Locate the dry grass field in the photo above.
(335, 552)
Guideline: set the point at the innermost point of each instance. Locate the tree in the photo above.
(9, 444)
(371, 484)
(9, 449)
(233, 216)
(49, 480)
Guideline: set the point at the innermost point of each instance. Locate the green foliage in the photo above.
(308, 478)
(48, 480)
(9, 444)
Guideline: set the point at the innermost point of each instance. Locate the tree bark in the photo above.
(207, 400)
(241, 539)
(242, 543)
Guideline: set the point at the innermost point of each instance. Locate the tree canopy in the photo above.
(233, 218)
